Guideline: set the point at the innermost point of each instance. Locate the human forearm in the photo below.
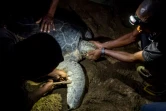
(120, 55)
(53, 7)
(121, 41)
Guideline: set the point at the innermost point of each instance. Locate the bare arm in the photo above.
(124, 56)
(122, 41)
(120, 55)
(47, 22)
(53, 7)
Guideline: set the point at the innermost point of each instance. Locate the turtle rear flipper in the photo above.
(75, 90)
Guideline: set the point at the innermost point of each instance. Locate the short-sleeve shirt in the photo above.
(154, 54)
(155, 50)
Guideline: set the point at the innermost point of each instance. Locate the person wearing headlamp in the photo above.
(149, 20)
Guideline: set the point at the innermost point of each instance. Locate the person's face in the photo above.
(143, 19)
(141, 14)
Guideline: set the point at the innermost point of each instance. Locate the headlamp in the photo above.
(134, 20)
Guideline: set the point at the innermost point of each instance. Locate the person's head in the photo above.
(149, 15)
(37, 55)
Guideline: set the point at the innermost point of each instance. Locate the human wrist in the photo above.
(106, 45)
(50, 14)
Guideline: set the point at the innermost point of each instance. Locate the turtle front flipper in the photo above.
(75, 90)
(85, 46)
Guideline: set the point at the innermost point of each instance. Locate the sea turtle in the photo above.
(74, 48)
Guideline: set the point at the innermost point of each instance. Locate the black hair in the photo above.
(151, 8)
(153, 11)
(37, 55)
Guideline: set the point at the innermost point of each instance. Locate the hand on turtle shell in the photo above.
(47, 23)
(94, 55)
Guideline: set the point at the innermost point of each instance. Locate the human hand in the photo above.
(97, 44)
(47, 23)
(58, 74)
(48, 86)
(41, 91)
(94, 55)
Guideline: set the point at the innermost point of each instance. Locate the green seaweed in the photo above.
(50, 102)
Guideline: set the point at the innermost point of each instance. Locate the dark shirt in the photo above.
(154, 56)
(7, 42)
(10, 88)
(31, 58)
(155, 50)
